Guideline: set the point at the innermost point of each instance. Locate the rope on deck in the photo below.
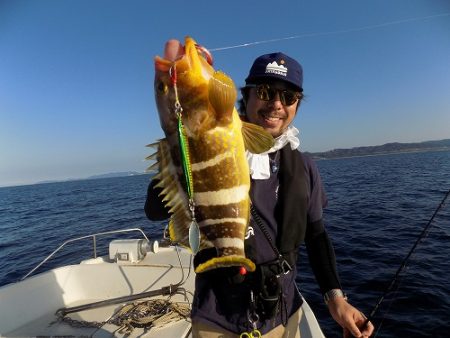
(153, 313)
(150, 313)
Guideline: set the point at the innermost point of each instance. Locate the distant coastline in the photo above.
(94, 177)
(385, 149)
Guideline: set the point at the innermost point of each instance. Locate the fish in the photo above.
(201, 163)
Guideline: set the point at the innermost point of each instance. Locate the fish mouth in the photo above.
(190, 60)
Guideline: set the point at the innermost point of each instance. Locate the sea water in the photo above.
(377, 208)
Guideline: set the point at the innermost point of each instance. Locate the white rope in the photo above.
(150, 313)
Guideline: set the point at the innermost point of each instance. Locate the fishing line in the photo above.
(342, 31)
(421, 236)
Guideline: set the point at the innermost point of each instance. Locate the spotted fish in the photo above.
(201, 162)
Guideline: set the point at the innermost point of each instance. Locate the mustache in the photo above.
(266, 112)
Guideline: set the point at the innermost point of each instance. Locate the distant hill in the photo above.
(388, 148)
(93, 177)
(114, 174)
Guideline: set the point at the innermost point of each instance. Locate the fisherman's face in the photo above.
(272, 115)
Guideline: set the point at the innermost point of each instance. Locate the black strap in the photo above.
(286, 267)
(260, 223)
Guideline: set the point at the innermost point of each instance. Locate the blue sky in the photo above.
(76, 77)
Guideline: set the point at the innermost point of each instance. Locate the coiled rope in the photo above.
(149, 314)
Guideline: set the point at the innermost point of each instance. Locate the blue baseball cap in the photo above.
(277, 66)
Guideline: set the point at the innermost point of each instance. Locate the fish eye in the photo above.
(162, 87)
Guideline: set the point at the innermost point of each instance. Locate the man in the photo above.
(287, 200)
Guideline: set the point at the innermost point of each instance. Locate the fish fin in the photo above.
(153, 145)
(152, 157)
(173, 195)
(256, 139)
(222, 96)
(226, 261)
(174, 235)
(152, 168)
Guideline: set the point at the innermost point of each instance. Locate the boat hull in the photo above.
(28, 307)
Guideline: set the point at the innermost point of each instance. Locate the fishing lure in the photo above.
(194, 230)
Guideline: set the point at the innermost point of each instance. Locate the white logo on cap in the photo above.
(274, 68)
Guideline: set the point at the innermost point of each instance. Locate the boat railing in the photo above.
(94, 241)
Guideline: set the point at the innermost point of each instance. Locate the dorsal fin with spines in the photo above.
(173, 196)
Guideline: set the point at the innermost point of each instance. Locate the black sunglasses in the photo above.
(266, 93)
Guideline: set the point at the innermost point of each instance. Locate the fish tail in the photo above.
(227, 236)
(226, 261)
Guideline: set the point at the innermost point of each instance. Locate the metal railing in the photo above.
(94, 239)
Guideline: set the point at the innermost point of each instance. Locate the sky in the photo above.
(76, 77)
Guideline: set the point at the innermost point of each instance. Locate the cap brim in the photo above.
(260, 79)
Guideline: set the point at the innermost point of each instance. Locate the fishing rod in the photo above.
(408, 256)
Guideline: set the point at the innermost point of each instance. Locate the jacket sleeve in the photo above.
(154, 207)
(322, 257)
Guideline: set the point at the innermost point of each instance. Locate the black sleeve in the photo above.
(154, 206)
(321, 256)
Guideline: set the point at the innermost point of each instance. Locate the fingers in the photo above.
(354, 323)
(173, 49)
(354, 330)
(367, 329)
(360, 328)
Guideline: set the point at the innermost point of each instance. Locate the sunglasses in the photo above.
(266, 93)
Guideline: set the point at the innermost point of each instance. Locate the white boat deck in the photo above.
(33, 302)
(28, 308)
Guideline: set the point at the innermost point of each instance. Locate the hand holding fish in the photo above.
(173, 50)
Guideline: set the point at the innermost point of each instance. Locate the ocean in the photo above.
(377, 208)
